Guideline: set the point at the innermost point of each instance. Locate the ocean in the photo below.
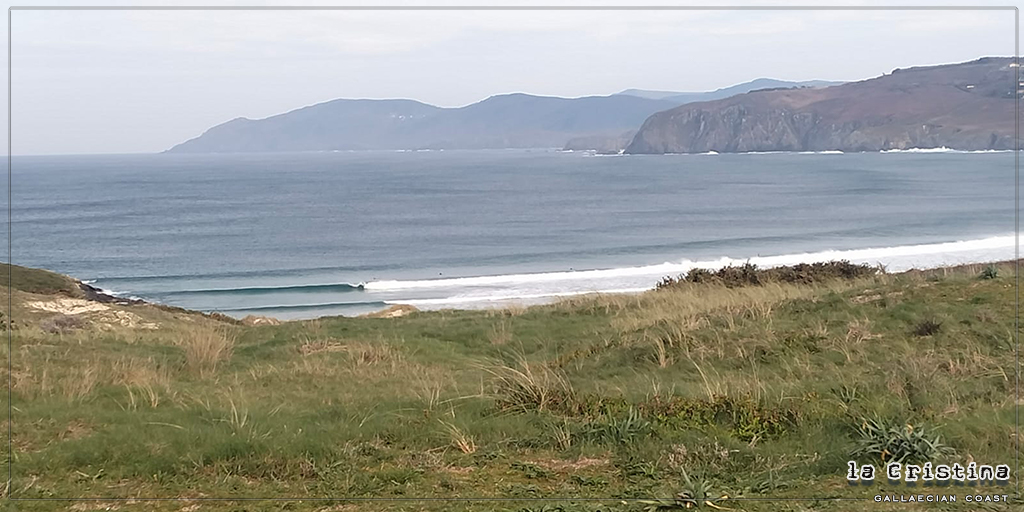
(301, 235)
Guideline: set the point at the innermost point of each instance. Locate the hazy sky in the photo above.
(142, 81)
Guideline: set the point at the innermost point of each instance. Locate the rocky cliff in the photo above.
(966, 106)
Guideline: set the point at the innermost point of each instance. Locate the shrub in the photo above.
(745, 419)
(990, 272)
(898, 442)
(696, 492)
(927, 327)
(750, 275)
(60, 324)
(621, 430)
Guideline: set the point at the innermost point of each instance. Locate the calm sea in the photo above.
(309, 234)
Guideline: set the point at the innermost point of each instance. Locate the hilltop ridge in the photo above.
(967, 106)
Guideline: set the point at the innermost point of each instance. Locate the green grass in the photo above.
(33, 280)
(694, 390)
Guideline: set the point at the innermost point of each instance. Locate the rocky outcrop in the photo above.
(966, 106)
(260, 320)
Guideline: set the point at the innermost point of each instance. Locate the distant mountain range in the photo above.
(966, 106)
(506, 121)
(725, 92)
(963, 106)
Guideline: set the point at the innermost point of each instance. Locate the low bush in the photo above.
(749, 274)
(990, 272)
(927, 327)
(60, 324)
(898, 442)
(627, 429)
(742, 417)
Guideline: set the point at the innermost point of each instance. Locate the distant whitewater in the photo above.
(482, 291)
(301, 235)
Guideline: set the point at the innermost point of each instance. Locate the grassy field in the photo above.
(706, 389)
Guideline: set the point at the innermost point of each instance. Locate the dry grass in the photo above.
(529, 386)
(562, 434)
(459, 438)
(689, 305)
(205, 348)
(312, 346)
(501, 332)
(512, 309)
(661, 353)
(372, 354)
(141, 376)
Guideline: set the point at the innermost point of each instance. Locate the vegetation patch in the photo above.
(749, 274)
(37, 281)
(893, 441)
(759, 390)
(742, 417)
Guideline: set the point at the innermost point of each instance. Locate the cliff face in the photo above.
(962, 106)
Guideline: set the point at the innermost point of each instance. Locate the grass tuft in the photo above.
(205, 348)
(527, 386)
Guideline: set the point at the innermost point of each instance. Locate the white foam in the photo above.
(897, 258)
(476, 299)
(942, 149)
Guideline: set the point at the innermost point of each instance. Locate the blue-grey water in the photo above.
(293, 235)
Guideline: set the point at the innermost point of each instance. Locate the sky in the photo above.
(142, 81)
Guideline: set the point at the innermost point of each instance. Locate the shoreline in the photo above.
(397, 309)
(476, 292)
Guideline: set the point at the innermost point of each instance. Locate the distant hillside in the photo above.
(618, 142)
(506, 121)
(725, 92)
(962, 106)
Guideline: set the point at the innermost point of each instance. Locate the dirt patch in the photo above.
(393, 312)
(260, 320)
(100, 313)
(67, 306)
(124, 319)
